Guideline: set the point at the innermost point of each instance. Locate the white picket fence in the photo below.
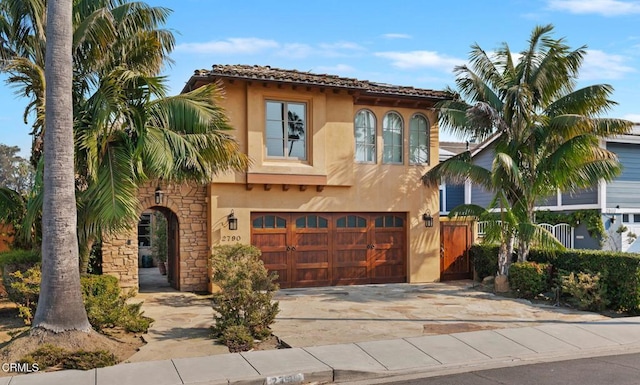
(563, 232)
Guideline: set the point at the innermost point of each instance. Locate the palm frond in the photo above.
(457, 170)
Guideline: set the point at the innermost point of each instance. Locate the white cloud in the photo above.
(396, 36)
(421, 59)
(601, 7)
(632, 117)
(234, 45)
(295, 50)
(341, 45)
(599, 65)
(252, 46)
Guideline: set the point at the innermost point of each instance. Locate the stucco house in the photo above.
(617, 201)
(333, 196)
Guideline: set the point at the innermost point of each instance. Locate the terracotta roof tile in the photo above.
(267, 73)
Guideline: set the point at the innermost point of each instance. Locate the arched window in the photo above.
(365, 134)
(418, 140)
(312, 222)
(392, 138)
(351, 221)
(389, 221)
(269, 222)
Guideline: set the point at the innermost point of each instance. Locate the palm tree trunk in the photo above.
(60, 306)
(524, 247)
(84, 248)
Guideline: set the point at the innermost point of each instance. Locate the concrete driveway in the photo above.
(344, 314)
(341, 314)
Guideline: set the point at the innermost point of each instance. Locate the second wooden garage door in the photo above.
(313, 249)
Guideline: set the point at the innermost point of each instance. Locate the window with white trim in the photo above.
(392, 137)
(365, 135)
(286, 130)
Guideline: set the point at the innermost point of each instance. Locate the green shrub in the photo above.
(246, 291)
(529, 279)
(24, 290)
(82, 360)
(104, 301)
(107, 306)
(484, 259)
(49, 355)
(587, 291)
(620, 273)
(237, 338)
(45, 356)
(19, 257)
(16, 260)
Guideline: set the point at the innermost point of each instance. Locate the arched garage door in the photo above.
(321, 249)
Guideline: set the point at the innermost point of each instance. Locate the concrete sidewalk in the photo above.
(366, 361)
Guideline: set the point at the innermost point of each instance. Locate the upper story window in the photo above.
(286, 130)
(392, 136)
(418, 140)
(365, 134)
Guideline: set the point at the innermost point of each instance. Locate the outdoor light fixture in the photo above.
(232, 221)
(428, 219)
(612, 218)
(158, 195)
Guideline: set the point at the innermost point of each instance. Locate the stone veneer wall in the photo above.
(189, 203)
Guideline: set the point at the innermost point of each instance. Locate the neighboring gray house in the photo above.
(618, 201)
(452, 195)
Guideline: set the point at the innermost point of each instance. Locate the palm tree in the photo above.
(175, 139)
(126, 130)
(60, 306)
(546, 131)
(106, 34)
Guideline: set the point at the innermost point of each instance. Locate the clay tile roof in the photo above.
(267, 73)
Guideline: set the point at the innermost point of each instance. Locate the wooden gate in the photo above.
(455, 241)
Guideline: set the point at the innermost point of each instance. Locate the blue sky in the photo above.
(408, 42)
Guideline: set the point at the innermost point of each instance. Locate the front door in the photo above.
(455, 241)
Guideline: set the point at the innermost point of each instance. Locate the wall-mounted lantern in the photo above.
(232, 221)
(612, 218)
(428, 219)
(158, 195)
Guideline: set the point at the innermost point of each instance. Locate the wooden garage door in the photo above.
(320, 249)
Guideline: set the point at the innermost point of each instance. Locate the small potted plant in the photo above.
(159, 246)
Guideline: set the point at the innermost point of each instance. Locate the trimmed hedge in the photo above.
(19, 257)
(529, 279)
(620, 271)
(484, 259)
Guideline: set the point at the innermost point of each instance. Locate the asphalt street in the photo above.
(609, 370)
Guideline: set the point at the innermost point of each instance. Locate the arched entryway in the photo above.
(185, 207)
(158, 243)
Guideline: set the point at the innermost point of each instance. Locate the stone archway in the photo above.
(188, 204)
(172, 227)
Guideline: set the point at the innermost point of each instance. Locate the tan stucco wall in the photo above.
(351, 187)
